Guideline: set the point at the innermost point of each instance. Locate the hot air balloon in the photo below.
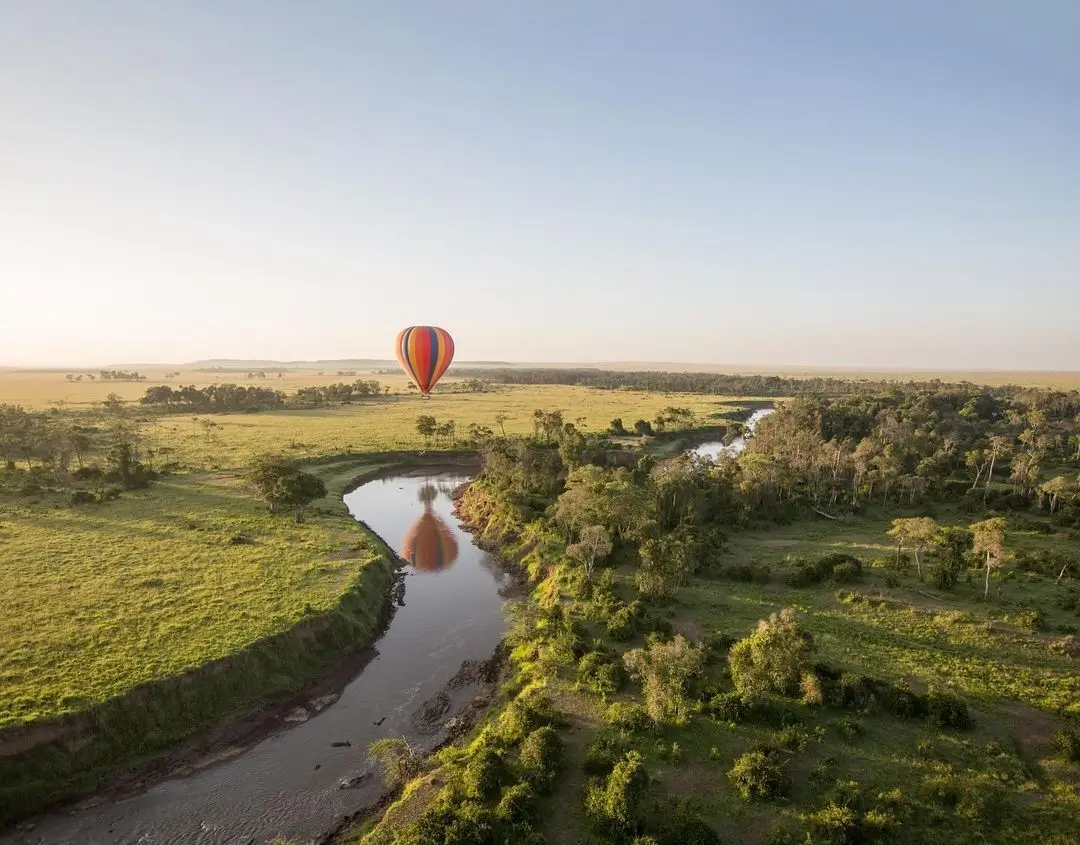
(424, 353)
(429, 544)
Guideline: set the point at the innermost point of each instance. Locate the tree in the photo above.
(953, 543)
(500, 421)
(916, 533)
(594, 544)
(265, 472)
(617, 428)
(990, 541)
(666, 561)
(426, 426)
(999, 447)
(643, 428)
(297, 490)
(772, 658)
(664, 670)
(1056, 488)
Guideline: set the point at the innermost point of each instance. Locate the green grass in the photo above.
(105, 597)
(388, 423)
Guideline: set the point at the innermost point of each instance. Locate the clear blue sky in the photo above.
(818, 183)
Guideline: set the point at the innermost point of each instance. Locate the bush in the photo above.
(946, 710)
(82, 497)
(482, 777)
(854, 692)
(605, 750)
(772, 658)
(516, 804)
(844, 573)
(615, 806)
(759, 775)
(599, 673)
(728, 707)
(630, 717)
(676, 821)
(834, 824)
(541, 757)
(1066, 742)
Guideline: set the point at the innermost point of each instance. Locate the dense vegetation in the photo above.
(861, 629)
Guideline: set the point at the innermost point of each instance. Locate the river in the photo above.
(715, 448)
(288, 784)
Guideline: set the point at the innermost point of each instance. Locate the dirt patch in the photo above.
(778, 544)
(688, 628)
(1032, 727)
(696, 779)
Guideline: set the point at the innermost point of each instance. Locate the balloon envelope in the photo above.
(424, 353)
(429, 544)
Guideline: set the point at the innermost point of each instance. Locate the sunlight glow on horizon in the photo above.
(843, 187)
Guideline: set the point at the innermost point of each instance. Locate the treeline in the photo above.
(235, 398)
(91, 459)
(755, 385)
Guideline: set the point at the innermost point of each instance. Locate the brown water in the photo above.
(288, 784)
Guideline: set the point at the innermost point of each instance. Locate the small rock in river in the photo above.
(318, 766)
(379, 722)
(353, 782)
(345, 744)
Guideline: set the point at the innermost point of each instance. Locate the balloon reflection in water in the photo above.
(429, 544)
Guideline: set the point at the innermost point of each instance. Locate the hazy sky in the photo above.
(763, 181)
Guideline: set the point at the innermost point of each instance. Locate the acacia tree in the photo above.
(426, 426)
(594, 544)
(265, 472)
(914, 532)
(999, 448)
(990, 541)
(1056, 488)
(297, 490)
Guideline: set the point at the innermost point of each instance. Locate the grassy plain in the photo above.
(107, 596)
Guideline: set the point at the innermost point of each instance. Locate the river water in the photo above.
(715, 448)
(288, 784)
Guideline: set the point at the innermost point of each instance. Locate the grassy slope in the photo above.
(103, 597)
(149, 589)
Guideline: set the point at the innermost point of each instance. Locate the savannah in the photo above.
(539, 424)
(863, 627)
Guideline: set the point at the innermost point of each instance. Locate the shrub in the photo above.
(812, 688)
(676, 821)
(728, 707)
(628, 716)
(758, 775)
(605, 750)
(1066, 742)
(717, 646)
(516, 804)
(946, 710)
(844, 573)
(599, 673)
(854, 692)
(482, 777)
(615, 806)
(772, 658)
(834, 824)
(849, 728)
(82, 497)
(541, 757)
(665, 670)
